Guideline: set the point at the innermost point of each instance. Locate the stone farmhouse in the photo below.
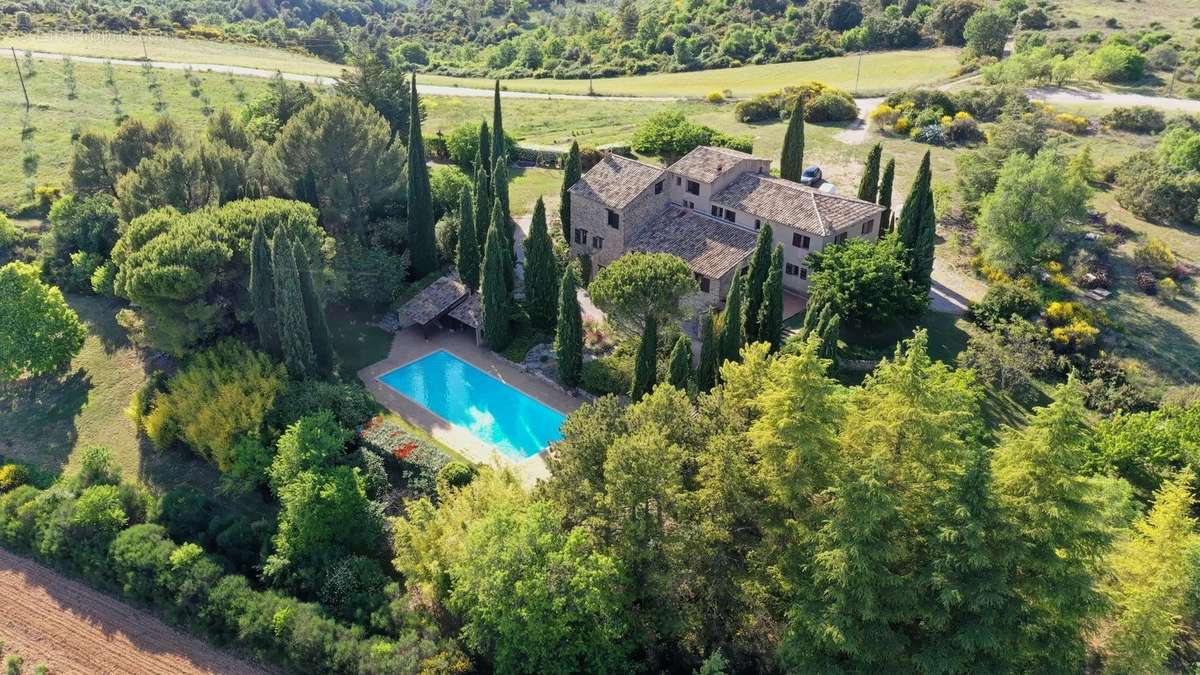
(706, 208)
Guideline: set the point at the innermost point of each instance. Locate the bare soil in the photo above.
(52, 620)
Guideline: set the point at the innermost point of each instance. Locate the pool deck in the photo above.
(409, 345)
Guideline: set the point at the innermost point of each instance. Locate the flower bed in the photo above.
(412, 461)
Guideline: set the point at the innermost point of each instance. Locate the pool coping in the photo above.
(379, 378)
(409, 346)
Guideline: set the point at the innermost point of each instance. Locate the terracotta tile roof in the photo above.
(789, 203)
(706, 163)
(710, 247)
(616, 180)
(434, 300)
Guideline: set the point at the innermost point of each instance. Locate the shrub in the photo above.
(1168, 290)
(141, 557)
(757, 109)
(350, 402)
(185, 512)
(455, 475)
(13, 476)
(715, 97)
(1141, 119)
(1004, 300)
(1157, 257)
(1077, 335)
(831, 106)
(414, 460)
(1072, 124)
(1116, 62)
(607, 375)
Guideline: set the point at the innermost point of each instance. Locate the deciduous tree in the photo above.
(40, 333)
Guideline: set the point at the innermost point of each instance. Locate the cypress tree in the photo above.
(770, 320)
(868, 187)
(760, 265)
(706, 374)
(498, 144)
(294, 337)
(791, 164)
(505, 242)
(421, 243)
(500, 193)
(885, 195)
(495, 293)
(679, 373)
(572, 171)
(541, 277)
(829, 337)
(484, 153)
(644, 366)
(568, 338)
(467, 256)
(917, 228)
(731, 325)
(483, 205)
(262, 292)
(318, 326)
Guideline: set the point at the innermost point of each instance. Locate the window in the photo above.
(803, 272)
(731, 215)
(693, 187)
(614, 219)
(658, 188)
(716, 211)
(703, 283)
(800, 240)
(868, 226)
(678, 180)
(791, 270)
(580, 236)
(757, 223)
(840, 238)
(690, 205)
(597, 242)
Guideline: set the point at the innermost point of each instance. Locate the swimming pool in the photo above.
(517, 425)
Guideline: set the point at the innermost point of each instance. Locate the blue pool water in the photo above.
(517, 425)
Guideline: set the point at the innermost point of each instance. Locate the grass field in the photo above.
(1173, 15)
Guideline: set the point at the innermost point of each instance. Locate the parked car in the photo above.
(811, 176)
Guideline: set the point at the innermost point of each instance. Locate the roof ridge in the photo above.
(812, 195)
(635, 161)
(791, 184)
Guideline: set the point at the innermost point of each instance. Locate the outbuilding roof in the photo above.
(789, 203)
(710, 247)
(434, 300)
(706, 163)
(615, 181)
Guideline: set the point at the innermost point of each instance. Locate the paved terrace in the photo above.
(409, 345)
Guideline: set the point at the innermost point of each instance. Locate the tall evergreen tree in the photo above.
(483, 205)
(812, 314)
(731, 323)
(791, 164)
(498, 150)
(885, 195)
(568, 338)
(644, 366)
(541, 275)
(484, 156)
(571, 174)
(500, 192)
(422, 245)
(760, 266)
(830, 332)
(505, 241)
(770, 320)
(917, 229)
(262, 292)
(868, 187)
(314, 312)
(294, 337)
(706, 372)
(467, 255)
(494, 289)
(679, 371)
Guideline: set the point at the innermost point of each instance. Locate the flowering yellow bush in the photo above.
(12, 475)
(902, 126)
(715, 97)
(1072, 124)
(884, 116)
(1078, 334)
(1060, 313)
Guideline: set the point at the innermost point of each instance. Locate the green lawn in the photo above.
(529, 183)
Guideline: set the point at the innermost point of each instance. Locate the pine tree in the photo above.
(262, 292)
(770, 320)
(791, 165)
(917, 229)
(541, 277)
(467, 256)
(506, 242)
(679, 372)
(644, 366)
(483, 205)
(568, 338)
(500, 193)
(731, 322)
(868, 187)
(706, 373)
(494, 289)
(760, 266)
(422, 245)
(318, 325)
(294, 337)
(484, 152)
(571, 174)
(885, 195)
(498, 144)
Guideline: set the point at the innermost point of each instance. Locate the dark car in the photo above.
(811, 176)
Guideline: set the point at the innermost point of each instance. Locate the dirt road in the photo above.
(50, 619)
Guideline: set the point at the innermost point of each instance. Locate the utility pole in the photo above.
(21, 77)
(857, 73)
(145, 52)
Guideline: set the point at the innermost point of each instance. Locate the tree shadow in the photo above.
(99, 314)
(37, 418)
